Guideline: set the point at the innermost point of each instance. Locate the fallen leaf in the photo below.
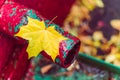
(46, 68)
(41, 38)
(115, 24)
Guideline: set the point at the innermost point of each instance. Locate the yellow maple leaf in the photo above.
(40, 38)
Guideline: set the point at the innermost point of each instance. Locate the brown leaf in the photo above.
(46, 68)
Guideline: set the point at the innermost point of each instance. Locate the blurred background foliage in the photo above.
(95, 23)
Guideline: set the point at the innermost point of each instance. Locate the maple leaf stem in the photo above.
(52, 20)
